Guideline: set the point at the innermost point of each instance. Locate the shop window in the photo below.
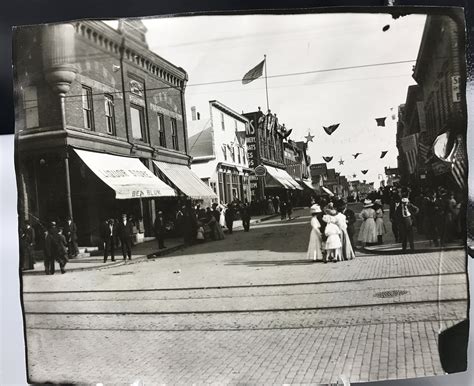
(137, 117)
(109, 114)
(161, 130)
(87, 107)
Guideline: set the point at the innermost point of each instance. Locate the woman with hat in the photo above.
(379, 224)
(368, 230)
(347, 253)
(315, 241)
(333, 244)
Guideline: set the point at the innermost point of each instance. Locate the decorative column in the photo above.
(59, 71)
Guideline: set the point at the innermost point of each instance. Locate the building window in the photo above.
(109, 114)
(161, 130)
(138, 122)
(238, 154)
(87, 107)
(236, 126)
(222, 121)
(232, 153)
(174, 133)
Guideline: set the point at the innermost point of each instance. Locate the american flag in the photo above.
(410, 148)
(423, 151)
(254, 73)
(459, 165)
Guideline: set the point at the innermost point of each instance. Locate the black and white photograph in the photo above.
(248, 198)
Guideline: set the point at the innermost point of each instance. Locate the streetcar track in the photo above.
(233, 296)
(82, 291)
(257, 310)
(238, 328)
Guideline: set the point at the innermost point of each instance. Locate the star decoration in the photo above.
(354, 175)
(341, 162)
(309, 138)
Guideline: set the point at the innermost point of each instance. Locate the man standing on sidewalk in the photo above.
(404, 215)
(109, 235)
(245, 215)
(70, 233)
(160, 229)
(230, 217)
(125, 233)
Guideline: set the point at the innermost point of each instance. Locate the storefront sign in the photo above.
(260, 171)
(456, 88)
(251, 145)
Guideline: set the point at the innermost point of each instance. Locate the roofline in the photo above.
(228, 110)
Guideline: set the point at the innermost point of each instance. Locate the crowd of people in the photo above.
(332, 231)
(60, 244)
(271, 205)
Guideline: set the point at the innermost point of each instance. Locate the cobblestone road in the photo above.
(249, 309)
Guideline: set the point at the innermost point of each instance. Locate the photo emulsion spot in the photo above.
(243, 199)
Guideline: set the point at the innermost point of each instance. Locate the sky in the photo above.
(224, 48)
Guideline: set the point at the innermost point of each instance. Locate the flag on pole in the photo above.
(254, 73)
(410, 148)
(459, 165)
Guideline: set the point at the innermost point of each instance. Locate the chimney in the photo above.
(193, 113)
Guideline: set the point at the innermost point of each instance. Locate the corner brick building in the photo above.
(90, 98)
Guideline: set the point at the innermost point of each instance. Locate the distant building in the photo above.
(264, 137)
(219, 150)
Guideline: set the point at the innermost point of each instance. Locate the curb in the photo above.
(407, 252)
(140, 258)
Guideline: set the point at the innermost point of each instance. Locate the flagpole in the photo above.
(266, 83)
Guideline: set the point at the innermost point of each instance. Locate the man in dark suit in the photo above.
(245, 216)
(404, 216)
(109, 235)
(70, 233)
(125, 233)
(160, 229)
(27, 245)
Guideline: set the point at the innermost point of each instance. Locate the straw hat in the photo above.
(368, 203)
(405, 200)
(315, 209)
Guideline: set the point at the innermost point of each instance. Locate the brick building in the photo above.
(99, 117)
(436, 105)
(264, 138)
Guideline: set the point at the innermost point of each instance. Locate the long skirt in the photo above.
(347, 252)
(368, 231)
(218, 232)
(315, 246)
(380, 226)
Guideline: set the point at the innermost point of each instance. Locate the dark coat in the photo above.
(159, 226)
(105, 231)
(125, 231)
(70, 231)
(398, 216)
(28, 238)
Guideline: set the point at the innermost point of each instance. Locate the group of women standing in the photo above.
(372, 228)
(329, 239)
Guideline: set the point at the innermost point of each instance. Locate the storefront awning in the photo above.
(185, 180)
(280, 178)
(327, 191)
(308, 184)
(127, 176)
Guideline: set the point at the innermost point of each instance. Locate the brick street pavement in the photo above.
(314, 322)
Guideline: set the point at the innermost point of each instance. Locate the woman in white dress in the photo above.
(368, 230)
(347, 252)
(379, 224)
(333, 243)
(315, 241)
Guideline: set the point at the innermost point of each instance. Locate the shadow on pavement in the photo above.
(267, 263)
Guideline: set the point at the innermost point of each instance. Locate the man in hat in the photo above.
(125, 234)
(160, 229)
(50, 249)
(404, 216)
(109, 236)
(27, 245)
(70, 233)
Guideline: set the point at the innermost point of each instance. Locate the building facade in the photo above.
(219, 152)
(265, 144)
(436, 106)
(89, 98)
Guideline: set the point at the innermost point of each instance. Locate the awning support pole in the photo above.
(68, 186)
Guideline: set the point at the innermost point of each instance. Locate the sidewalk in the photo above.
(140, 252)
